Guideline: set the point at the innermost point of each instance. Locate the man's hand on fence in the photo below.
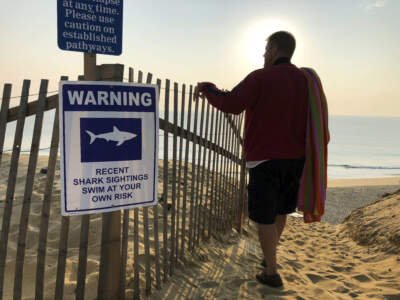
(200, 88)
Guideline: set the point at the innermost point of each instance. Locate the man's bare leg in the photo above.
(280, 223)
(268, 237)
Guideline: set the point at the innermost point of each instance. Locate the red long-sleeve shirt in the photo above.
(276, 105)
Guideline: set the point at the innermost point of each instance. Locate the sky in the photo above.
(353, 45)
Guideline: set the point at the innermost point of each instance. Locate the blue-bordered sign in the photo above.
(109, 146)
(90, 26)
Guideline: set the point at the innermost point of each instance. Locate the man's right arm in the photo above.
(244, 95)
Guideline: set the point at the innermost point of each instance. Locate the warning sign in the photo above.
(109, 146)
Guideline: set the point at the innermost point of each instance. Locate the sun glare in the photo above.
(255, 35)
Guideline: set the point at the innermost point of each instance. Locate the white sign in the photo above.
(109, 146)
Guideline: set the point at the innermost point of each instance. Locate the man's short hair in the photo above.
(284, 41)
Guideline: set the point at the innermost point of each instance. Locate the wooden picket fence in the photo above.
(197, 199)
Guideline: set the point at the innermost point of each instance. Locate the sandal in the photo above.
(273, 280)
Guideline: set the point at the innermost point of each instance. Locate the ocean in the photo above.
(363, 147)
(360, 147)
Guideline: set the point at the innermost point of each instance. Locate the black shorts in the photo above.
(273, 187)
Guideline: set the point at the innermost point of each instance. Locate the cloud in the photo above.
(375, 4)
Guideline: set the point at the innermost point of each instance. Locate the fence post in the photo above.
(110, 257)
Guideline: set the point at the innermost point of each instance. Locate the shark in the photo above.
(115, 135)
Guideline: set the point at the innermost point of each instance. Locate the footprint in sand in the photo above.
(292, 278)
(314, 277)
(338, 268)
(295, 264)
(392, 296)
(299, 243)
(362, 278)
(209, 284)
(275, 291)
(236, 282)
(341, 289)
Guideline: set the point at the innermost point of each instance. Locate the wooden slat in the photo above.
(193, 181)
(221, 174)
(173, 206)
(237, 171)
(242, 189)
(232, 178)
(125, 232)
(146, 230)
(213, 176)
(140, 77)
(237, 177)
(136, 266)
(12, 177)
(198, 179)
(135, 232)
(5, 103)
(230, 197)
(217, 174)
(63, 242)
(233, 172)
(136, 291)
(203, 208)
(155, 217)
(124, 253)
(208, 193)
(229, 191)
(30, 176)
(185, 171)
(131, 75)
(82, 263)
(178, 198)
(62, 258)
(224, 195)
(165, 188)
(227, 198)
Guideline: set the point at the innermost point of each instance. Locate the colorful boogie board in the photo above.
(109, 146)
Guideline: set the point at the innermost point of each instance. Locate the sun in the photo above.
(255, 35)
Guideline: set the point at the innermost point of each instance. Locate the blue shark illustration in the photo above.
(116, 135)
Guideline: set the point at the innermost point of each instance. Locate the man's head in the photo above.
(279, 44)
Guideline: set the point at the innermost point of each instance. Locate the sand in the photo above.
(358, 258)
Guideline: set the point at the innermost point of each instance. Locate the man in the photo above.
(275, 99)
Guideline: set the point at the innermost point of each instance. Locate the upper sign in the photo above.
(90, 26)
(109, 138)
